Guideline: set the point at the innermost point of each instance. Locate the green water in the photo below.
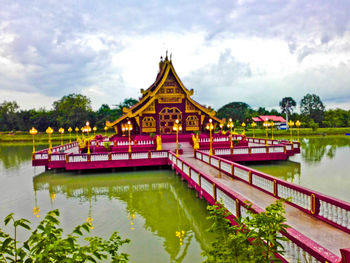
(323, 165)
(148, 207)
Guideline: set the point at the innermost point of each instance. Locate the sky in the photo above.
(240, 50)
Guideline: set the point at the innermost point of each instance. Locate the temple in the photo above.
(165, 101)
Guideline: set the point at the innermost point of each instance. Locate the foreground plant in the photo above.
(47, 244)
(254, 238)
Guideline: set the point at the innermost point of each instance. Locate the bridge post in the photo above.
(214, 192)
(250, 177)
(109, 156)
(238, 208)
(275, 189)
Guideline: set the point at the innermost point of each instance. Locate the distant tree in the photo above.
(127, 103)
(8, 115)
(336, 118)
(312, 107)
(73, 110)
(287, 105)
(236, 110)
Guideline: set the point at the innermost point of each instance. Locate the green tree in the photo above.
(73, 110)
(254, 238)
(8, 115)
(287, 105)
(312, 107)
(236, 110)
(47, 243)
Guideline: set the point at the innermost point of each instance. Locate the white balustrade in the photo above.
(198, 155)
(207, 186)
(119, 156)
(296, 197)
(159, 154)
(99, 157)
(214, 162)
(335, 214)
(141, 155)
(222, 151)
(41, 156)
(294, 253)
(179, 164)
(243, 174)
(276, 149)
(186, 169)
(77, 158)
(227, 201)
(205, 158)
(195, 176)
(289, 147)
(258, 150)
(226, 167)
(240, 151)
(263, 183)
(58, 157)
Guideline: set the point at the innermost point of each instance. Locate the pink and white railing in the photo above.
(325, 208)
(97, 157)
(274, 142)
(299, 248)
(249, 150)
(61, 149)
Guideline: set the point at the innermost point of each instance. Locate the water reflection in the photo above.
(167, 206)
(313, 150)
(286, 170)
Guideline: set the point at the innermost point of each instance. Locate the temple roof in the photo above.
(148, 95)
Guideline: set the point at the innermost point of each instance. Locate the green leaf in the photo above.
(6, 243)
(8, 218)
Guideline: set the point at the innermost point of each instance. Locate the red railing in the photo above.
(331, 210)
(298, 247)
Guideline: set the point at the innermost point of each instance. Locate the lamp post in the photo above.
(177, 127)
(291, 124)
(298, 123)
(210, 127)
(272, 125)
(129, 129)
(253, 126)
(123, 130)
(88, 129)
(33, 132)
(94, 129)
(61, 131)
(243, 125)
(230, 126)
(266, 125)
(70, 134)
(106, 128)
(49, 131)
(76, 132)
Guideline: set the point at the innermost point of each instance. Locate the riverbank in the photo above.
(42, 138)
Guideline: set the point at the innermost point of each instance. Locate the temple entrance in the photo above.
(167, 118)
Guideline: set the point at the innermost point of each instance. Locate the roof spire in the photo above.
(166, 55)
(171, 54)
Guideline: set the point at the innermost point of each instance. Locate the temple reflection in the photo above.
(168, 208)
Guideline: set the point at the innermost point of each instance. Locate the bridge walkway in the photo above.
(322, 233)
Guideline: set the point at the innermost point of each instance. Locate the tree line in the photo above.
(74, 110)
(312, 112)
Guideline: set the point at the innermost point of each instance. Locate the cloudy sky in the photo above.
(240, 50)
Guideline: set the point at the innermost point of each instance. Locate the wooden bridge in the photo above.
(319, 225)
